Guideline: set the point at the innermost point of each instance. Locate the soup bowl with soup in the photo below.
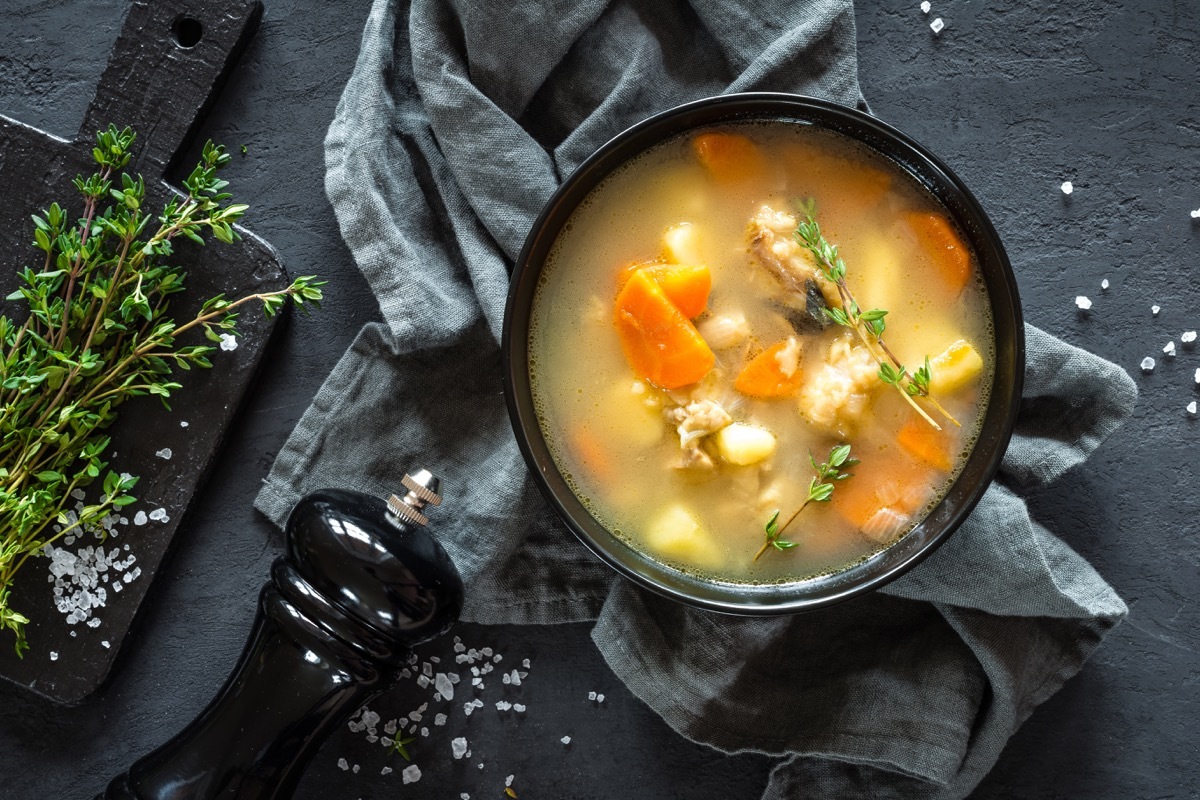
(762, 353)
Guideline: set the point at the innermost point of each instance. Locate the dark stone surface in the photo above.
(1016, 100)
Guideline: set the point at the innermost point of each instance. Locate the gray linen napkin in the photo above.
(458, 123)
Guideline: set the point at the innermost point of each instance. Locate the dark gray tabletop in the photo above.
(1016, 101)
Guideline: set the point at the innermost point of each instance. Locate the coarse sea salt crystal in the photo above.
(937, 25)
(458, 747)
(591, 695)
(1067, 187)
(411, 774)
(385, 771)
(104, 644)
(503, 705)
(1083, 302)
(565, 740)
(1187, 337)
(1191, 408)
(54, 655)
(159, 515)
(1147, 364)
(444, 687)
(165, 453)
(508, 781)
(599, 698)
(183, 423)
(439, 720)
(519, 708)
(228, 341)
(139, 518)
(343, 764)
(464, 796)
(1104, 284)
(1169, 348)
(1198, 376)
(925, 6)
(1154, 310)
(1196, 214)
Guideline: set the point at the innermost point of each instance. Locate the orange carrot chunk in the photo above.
(939, 239)
(926, 444)
(685, 285)
(592, 454)
(659, 342)
(764, 376)
(730, 157)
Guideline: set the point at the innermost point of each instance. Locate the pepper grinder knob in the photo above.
(360, 583)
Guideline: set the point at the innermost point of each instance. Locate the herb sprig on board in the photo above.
(820, 490)
(869, 325)
(99, 331)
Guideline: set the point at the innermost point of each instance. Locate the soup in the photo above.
(760, 352)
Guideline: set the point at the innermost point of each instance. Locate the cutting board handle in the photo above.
(168, 62)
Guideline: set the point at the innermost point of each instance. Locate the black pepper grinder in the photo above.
(360, 583)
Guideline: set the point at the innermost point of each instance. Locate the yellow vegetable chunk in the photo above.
(675, 535)
(681, 244)
(958, 366)
(743, 444)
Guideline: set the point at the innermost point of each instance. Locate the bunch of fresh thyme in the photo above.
(868, 325)
(820, 489)
(98, 331)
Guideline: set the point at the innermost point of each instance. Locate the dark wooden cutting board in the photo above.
(169, 60)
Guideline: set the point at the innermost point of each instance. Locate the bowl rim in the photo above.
(848, 582)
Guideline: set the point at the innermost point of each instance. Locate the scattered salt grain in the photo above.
(496, 658)
(519, 708)
(439, 720)
(1187, 337)
(1191, 408)
(390, 727)
(599, 698)
(1154, 310)
(458, 747)
(1196, 214)
(183, 423)
(481, 765)
(411, 774)
(1067, 187)
(1083, 302)
(506, 680)
(503, 705)
(229, 342)
(565, 740)
(444, 687)
(385, 771)
(425, 731)
(515, 678)
(477, 682)
(165, 453)
(103, 644)
(1198, 376)
(925, 6)
(343, 764)
(423, 681)
(591, 695)
(1104, 285)
(54, 655)
(937, 25)
(139, 518)
(525, 663)
(427, 669)
(94, 622)
(159, 515)
(1169, 348)
(355, 769)
(508, 781)
(1147, 364)
(464, 796)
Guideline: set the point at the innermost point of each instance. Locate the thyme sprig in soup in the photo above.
(730, 307)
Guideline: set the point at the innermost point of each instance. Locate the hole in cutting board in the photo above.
(187, 32)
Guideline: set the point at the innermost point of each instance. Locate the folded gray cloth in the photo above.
(458, 123)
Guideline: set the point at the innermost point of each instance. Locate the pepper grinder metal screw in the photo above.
(360, 583)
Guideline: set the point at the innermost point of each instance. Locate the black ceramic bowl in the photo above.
(984, 459)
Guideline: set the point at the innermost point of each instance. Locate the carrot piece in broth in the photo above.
(659, 342)
(730, 157)
(938, 238)
(928, 445)
(766, 377)
(685, 285)
(592, 454)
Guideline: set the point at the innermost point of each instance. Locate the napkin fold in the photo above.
(459, 121)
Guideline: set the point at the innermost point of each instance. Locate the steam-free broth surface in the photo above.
(684, 368)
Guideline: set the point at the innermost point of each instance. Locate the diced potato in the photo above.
(681, 244)
(958, 366)
(876, 279)
(676, 535)
(743, 444)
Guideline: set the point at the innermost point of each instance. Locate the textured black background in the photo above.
(1016, 100)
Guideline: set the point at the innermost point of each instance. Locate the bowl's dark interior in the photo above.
(980, 466)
